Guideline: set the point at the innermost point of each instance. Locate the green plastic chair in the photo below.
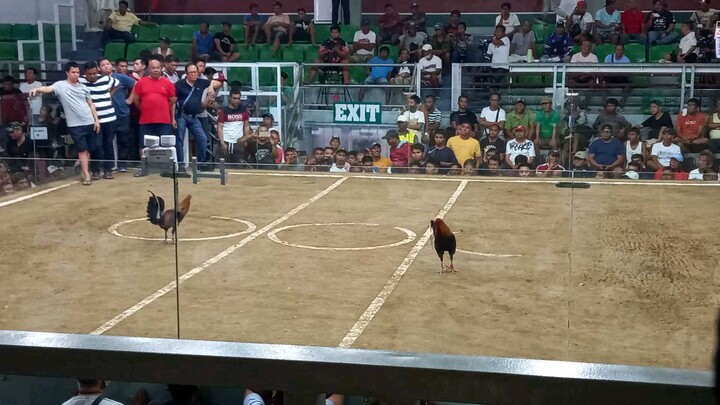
(115, 50)
(176, 33)
(604, 50)
(5, 32)
(322, 32)
(242, 75)
(49, 32)
(347, 32)
(539, 30)
(24, 31)
(250, 54)
(636, 53)
(658, 52)
(8, 50)
(136, 48)
(265, 54)
(182, 51)
(32, 51)
(358, 74)
(294, 53)
(146, 33)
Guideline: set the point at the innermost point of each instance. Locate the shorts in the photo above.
(282, 35)
(605, 34)
(360, 58)
(83, 137)
(301, 35)
(375, 80)
(544, 143)
(401, 80)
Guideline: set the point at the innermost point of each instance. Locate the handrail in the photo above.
(304, 371)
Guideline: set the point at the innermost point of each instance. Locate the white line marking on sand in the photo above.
(485, 254)
(36, 194)
(197, 270)
(410, 236)
(250, 228)
(378, 302)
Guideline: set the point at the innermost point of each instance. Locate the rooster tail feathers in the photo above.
(184, 205)
(155, 209)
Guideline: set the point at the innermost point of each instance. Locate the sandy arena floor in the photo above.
(615, 273)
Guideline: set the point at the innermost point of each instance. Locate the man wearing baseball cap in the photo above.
(416, 17)
(364, 43)
(519, 146)
(520, 116)
(431, 67)
(441, 44)
(704, 18)
(380, 163)
(412, 40)
(400, 151)
(580, 23)
(405, 134)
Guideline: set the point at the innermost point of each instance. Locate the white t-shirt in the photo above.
(664, 153)
(88, 400)
(687, 42)
(695, 175)
(510, 24)
(370, 37)
(579, 58)
(515, 149)
(35, 102)
(500, 54)
(492, 116)
(418, 116)
(432, 65)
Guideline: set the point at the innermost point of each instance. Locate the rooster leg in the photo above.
(442, 266)
(452, 266)
(166, 235)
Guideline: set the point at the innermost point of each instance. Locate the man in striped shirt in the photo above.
(101, 91)
(434, 118)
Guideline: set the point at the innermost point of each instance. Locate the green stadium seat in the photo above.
(294, 53)
(394, 51)
(266, 55)
(268, 77)
(250, 54)
(65, 32)
(347, 32)
(5, 32)
(603, 50)
(312, 53)
(657, 52)
(242, 75)
(115, 51)
(182, 51)
(322, 32)
(176, 33)
(32, 51)
(8, 50)
(146, 33)
(539, 30)
(24, 31)
(136, 48)
(636, 53)
(358, 74)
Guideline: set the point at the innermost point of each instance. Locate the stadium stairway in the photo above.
(88, 48)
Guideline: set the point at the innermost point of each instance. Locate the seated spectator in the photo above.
(225, 45)
(413, 40)
(406, 134)
(634, 146)
(580, 23)
(278, 28)
(519, 116)
(431, 67)
(443, 156)
(469, 168)
(492, 142)
(253, 25)
(452, 26)
(340, 165)
(119, 25)
(674, 171)
(14, 106)
(492, 115)
(464, 115)
(713, 126)
(415, 168)
(292, 161)
(509, 20)
(260, 149)
(705, 18)
(377, 73)
(303, 28)
(552, 167)
(441, 45)
(661, 25)
(4, 172)
(203, 42)
(391, 25)
(638, 161)
(20, 182)
(463, 146)
(455, 170)
(691, 128)
(379, 163)
(433, 118)
(609, 116)
(88, 392)
(524, 170)
(164, 49)
(632, 172)
(523, 42)
(606, 153)
(333, 50)
(633, 24)
(579, 166)
(658, 121)
(417, 153)
(329, 153)
(519, 146)
(499, 48)
(399, 150)
(275, 137)
(364, 43)
(463, 48)
(704, 163)
(546, 122)
(402, 75)
(662, 151)
(618, 56)
(688, 50)
(416, 17)
(618, 79)
(416, 118)
(558, 45)
(19, 148)
(431, 167)
(607, 24)
(491, 168)
(585, 55)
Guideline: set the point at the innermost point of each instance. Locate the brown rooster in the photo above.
(157, 215)
(444, 242)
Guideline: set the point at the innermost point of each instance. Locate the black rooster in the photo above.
(157, 215)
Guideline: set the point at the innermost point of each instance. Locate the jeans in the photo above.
(104, 150)
(110, 34)
(193, 125)
(662, 37)
(122, 136)
(625, 38)
(336, 10)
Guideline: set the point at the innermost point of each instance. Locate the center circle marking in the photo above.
(409, 237)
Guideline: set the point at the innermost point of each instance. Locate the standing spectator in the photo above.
(635, 146)
(687, 51)
(606, 153)
(277, 28)
(406, 134)
(442, 45)
(607, 24)
(547, 121)
(101, 88)
(253, 25)
(660, 25)
(492, 114)
(522, 42)
(463, 146)
(164, 49)
(705, 162)
(416, 118)
(225, 45)
(364, 43)
(552, 167)
(30, 83)
(303, 28)
(433, 117)
(391, 26)
(413, 40)
(691, 128)
(558, 45)
(609, 116)
(379, 74)
(520, 116)
(509, 20)
(333, 50)
(493, 142)
(192, 95)
(416, 17)
(13, 103)
(662, 151)
(658, 121)
(336, 4)
(713, 125)
(203, 42)
(464, 115)
(89, 392)
(500, 51)
(431, 67)
(154, 97)
(119, 25)
(633, 24)
(123, 86)
(452, 26)
(19, 148)
(705, 18)
(519, 146)
(82, 119)
(580, 23)
(399, 150)
(440, 153)
(463, 49)
(170, 70)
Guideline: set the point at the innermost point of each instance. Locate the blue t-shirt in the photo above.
(606, 152)
(612, 59)
(190, 103)
(204, 44)
(558, 45)
(442, 155)
(380, 72)
(118, 99)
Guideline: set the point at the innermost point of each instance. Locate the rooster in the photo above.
(157, 215)
(444, 242)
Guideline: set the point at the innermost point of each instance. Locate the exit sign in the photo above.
(358, 113)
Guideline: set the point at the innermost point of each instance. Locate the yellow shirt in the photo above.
(464, 149)
(123, 22)
(383, 163)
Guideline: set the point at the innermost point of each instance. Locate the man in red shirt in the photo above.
(691, 129)
(154, 97)
(400, 151)
(633, 24)
(391, 26)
